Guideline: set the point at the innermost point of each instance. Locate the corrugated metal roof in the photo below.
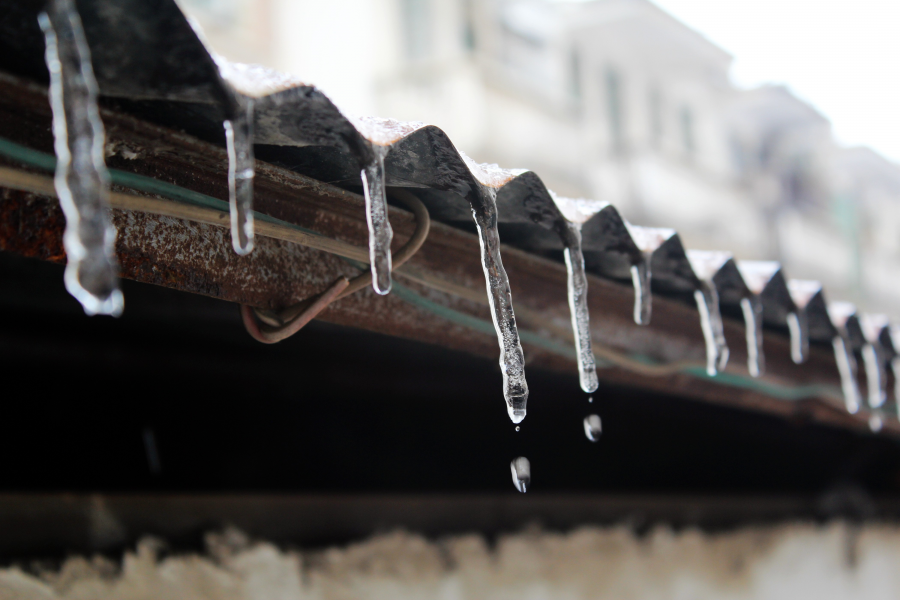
(147, 53)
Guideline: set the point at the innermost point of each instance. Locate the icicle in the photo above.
(876, 377)
(521, 473)
(895, 367)
(846, 365)
(578, 308)
(799, 329)
(380, 232)
(592, 427)
(752, 309)
(707, 299)
(82, 181)
(643, 296)
(241, 171)
(512, 359)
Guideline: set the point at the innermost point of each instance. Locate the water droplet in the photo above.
(876, 423)
(592, 427)
(241, 168)
(380, 232)
(521, 473)
(518, 428)
(578, 309)
(846, 365)
(643, 295)
(707, 299)
(512, 359)
(82, 181)
(752, 309)
(590, 399)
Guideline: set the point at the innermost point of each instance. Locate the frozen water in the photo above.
(380, 232)
(752, 309)
(592, 427)
(578, 308)
(512, 359)
(798, 327)
(846, 364)
(241, 169)
(707, 299)
(643, 296)
(255, 81)
(82, 181)
(876, 377)
(521, 473)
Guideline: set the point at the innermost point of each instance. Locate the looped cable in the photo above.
(270, 327)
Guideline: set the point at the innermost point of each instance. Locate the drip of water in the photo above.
(707, 299)
(798, 326)
(876, 377)
(592, 427)
(875, 422)
(518, 428)
(756, 360)
(512, 359)
(846, 365)
(591, 399)
(380, 232)
(82, 181)
(643, 297)
(241, 171)
(578, 308)
(521, 473)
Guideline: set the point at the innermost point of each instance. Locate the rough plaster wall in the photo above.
(791, 561)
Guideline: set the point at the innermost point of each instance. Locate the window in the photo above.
(575, 74)
(656, 116)
(417, 28)
(614, 109)
(687, 130)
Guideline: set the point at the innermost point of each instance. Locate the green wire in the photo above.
(47, 162)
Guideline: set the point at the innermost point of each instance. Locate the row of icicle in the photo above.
(82, 184)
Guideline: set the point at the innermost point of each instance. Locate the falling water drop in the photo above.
(592, 427)
(707, 299)
(643, 296)
(82, 181)
(578, 308)
(590, 399)
(380, 232)
(875, 422)
(846, 365)
(521, 473)
(518, 428)
(876, 377)
(512, 359)
(241, 171)
(798, 327)
(752, 309)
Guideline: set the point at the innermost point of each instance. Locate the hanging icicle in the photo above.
(241, 172)
(82, 181)
(753, 321)
(707, 299)
(578, 308)
(380, 232)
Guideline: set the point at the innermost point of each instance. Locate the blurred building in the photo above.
(608, 99)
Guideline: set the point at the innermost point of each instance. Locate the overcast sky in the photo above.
(841, 57)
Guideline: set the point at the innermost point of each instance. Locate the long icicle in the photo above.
(756, 360)
(643, 295)
(82, 181)
(798, 327)
(707, 299)
(380, 232)
(876, 377)
(241, 172)
(846, 365)
(578, 308)
(512, 359)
